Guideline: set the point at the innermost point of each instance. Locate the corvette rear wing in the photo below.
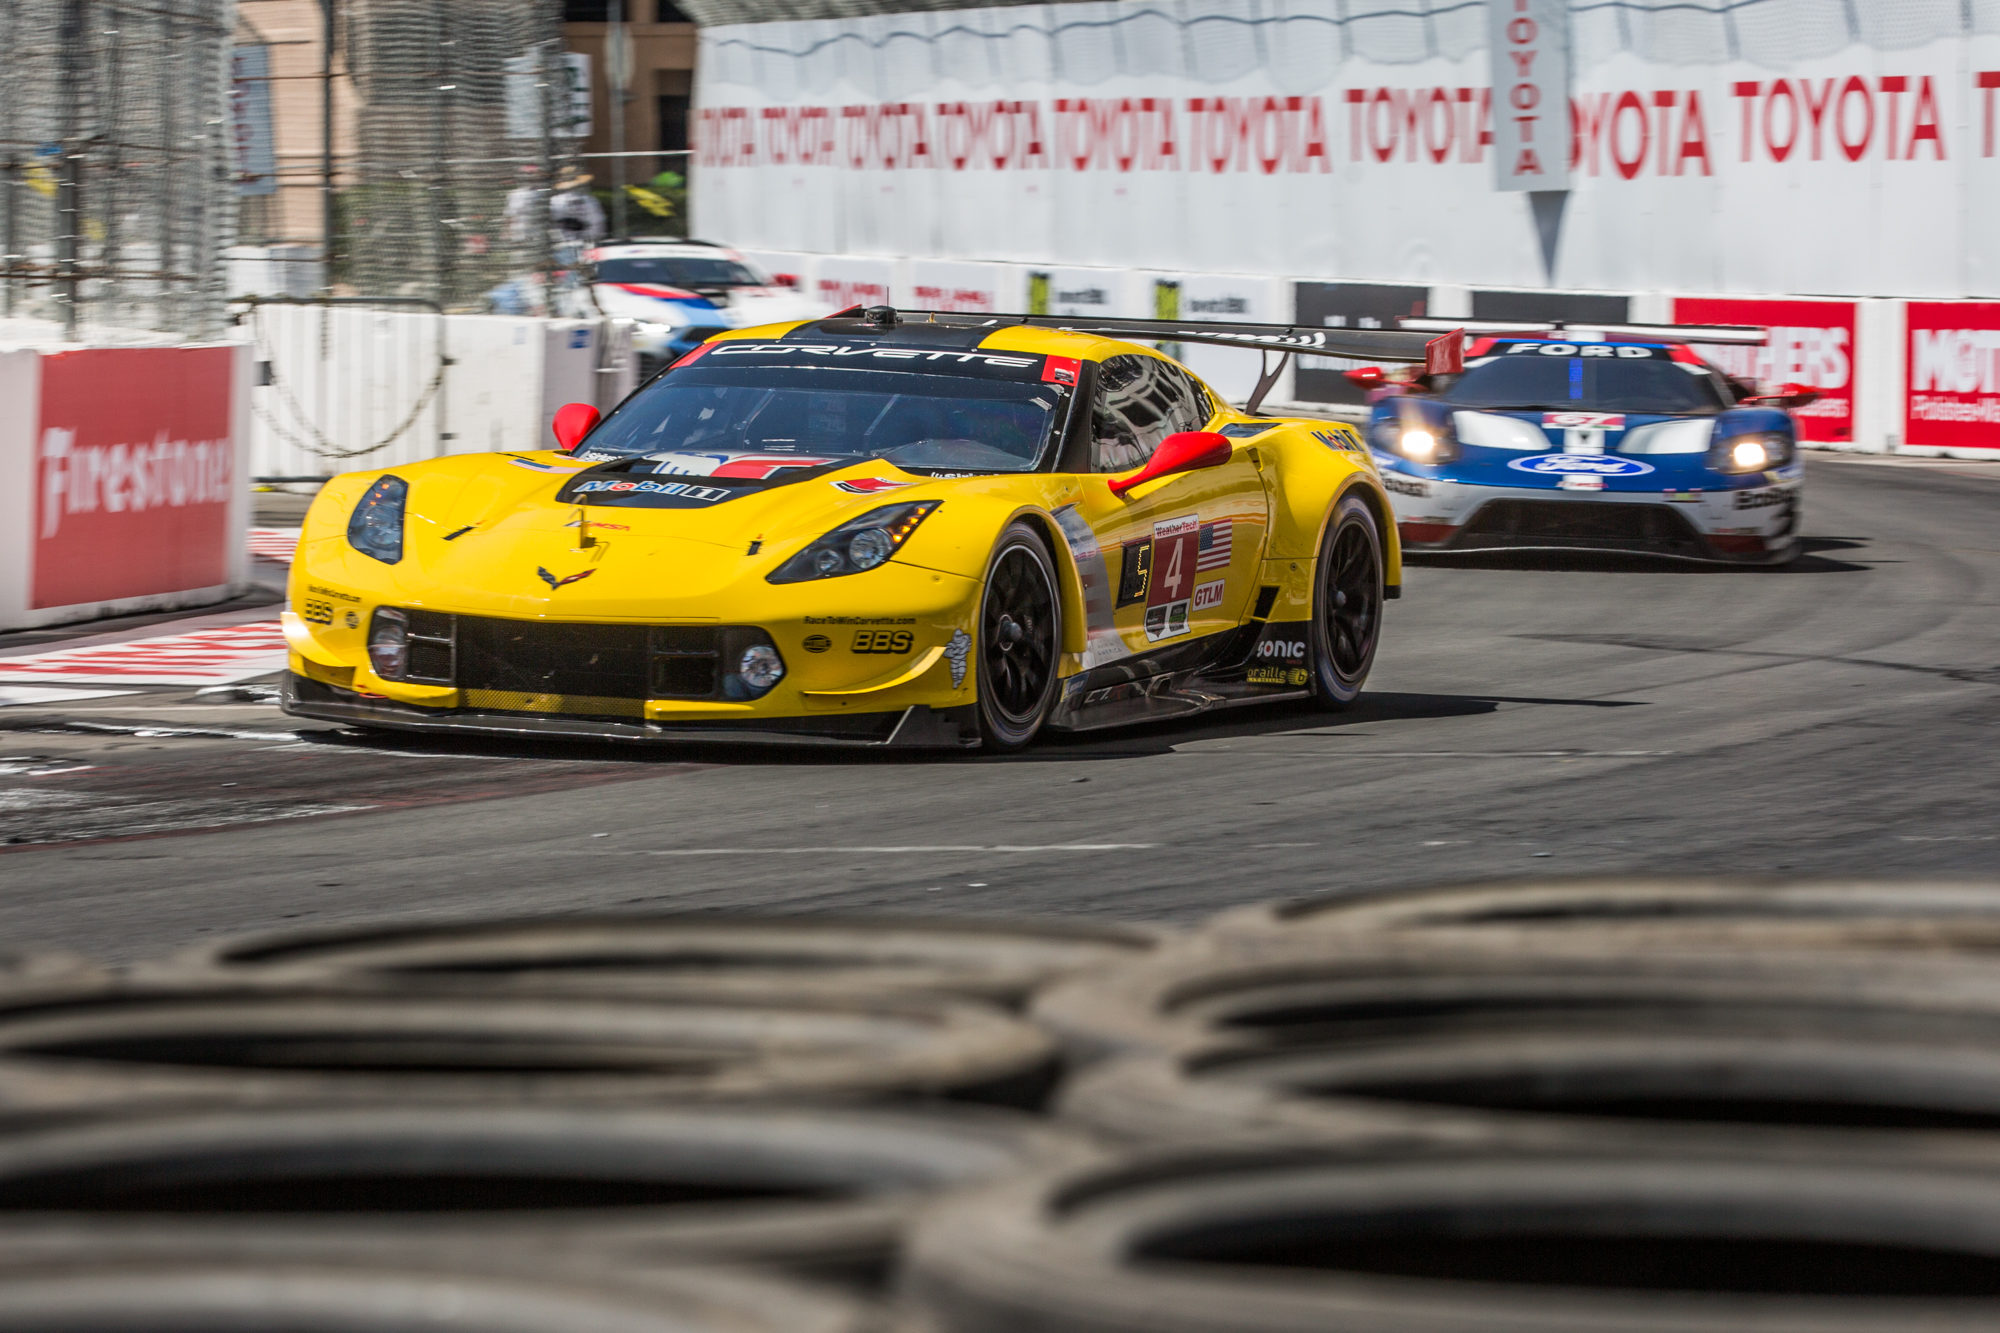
(1440, 353)
(1746, 335)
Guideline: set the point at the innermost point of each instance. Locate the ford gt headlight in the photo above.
(855, 546)
(376, 526)
(1416, 439)
(1752, 452)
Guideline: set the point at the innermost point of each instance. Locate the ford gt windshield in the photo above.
(1640, 384)
(917, 420)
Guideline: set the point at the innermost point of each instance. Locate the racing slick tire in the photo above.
(1347, 604)
(1020, 638)
(815, 1192)
(674, 954)
(58, 1283)
(1301, 1240)
(1640, 912)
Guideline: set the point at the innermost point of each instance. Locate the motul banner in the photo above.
(126, 486)
(1954, 374)
(1810, 342)
(1735, 154)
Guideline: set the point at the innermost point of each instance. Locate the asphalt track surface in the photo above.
(1527, 715)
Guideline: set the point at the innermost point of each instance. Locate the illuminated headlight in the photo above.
(855, 546)
(760, 667)
(1752, 453)
(389, 643)
(376, 526)
(1419, 446)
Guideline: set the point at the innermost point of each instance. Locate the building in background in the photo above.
(278, 127)
(661, 43)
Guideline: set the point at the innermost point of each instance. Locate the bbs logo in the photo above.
(316, 613)
(883, 641)
(1288, 650)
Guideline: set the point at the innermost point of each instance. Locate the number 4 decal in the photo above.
(1174, 554)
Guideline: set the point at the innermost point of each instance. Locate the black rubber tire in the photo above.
(1763, 912)
(1423, 1241)
(824, 1193)
(1018, 654)
(86, 1284)
(694, 954)
(1746, 1078)
(1347, 603)
(1379, 988)
(359, 1040)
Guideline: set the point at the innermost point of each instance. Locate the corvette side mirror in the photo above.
(1789, 395)
(1186, 451)
(573, 422)
(1366, 377)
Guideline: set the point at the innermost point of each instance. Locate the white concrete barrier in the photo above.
(122, 480)
(343, 388)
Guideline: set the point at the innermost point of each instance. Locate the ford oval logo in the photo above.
(1580, 465)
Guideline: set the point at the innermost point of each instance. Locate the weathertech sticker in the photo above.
(1170, 590)
(1061, 370)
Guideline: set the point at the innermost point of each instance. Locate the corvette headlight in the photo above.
(1751, 453)
(376, 526)
(858, 545)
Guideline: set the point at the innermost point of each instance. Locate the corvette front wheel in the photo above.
(1347, 604)
(1020, 639)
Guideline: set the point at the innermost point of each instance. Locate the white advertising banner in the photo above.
(1778, 146)
(1528, 42)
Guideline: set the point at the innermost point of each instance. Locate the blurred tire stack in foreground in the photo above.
(1641, 1106)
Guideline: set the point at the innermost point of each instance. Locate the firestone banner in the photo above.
(1748, 152)
(135, 465)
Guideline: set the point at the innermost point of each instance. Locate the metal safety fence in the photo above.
(115, 197)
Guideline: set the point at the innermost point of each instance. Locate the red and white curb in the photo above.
(202, 657)
(274, 543)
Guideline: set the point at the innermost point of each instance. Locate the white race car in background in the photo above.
(681, 293)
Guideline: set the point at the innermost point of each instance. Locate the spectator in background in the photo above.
(575, 214)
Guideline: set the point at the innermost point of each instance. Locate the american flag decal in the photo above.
(1214, 546)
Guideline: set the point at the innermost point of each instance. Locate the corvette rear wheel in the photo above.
(1020, 639)
(1347, 604)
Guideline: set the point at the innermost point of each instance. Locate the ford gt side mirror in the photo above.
(1366, 377)
(573, 422)
(1186, 451)
(1789, 395)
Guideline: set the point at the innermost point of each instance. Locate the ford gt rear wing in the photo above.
(1728, 334)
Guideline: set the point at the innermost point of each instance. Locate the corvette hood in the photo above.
(521, 522)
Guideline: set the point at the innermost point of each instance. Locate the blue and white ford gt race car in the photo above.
(1608, 440)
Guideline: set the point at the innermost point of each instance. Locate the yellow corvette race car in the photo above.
(879, 528)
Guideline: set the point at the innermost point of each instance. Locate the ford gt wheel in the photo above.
(1020, 639)
(1347, 604)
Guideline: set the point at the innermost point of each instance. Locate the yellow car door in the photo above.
(1181, 552)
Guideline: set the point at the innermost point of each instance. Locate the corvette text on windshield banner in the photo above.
(873, 355)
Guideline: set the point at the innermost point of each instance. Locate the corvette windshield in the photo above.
(1587, 384)
(957, 423)
(678, 271)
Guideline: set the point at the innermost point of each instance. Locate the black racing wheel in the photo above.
(1020, 639)
(1347, 603)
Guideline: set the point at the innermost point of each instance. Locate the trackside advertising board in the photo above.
(126, 474)
(1743, 148)
(1811, 342)
(1954, 374)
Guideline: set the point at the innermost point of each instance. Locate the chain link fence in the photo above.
(115, 194)
(469, 120)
